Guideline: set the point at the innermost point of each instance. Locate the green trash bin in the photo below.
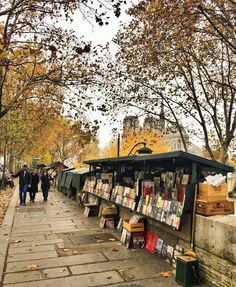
(187, 272)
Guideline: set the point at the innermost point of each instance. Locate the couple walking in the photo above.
(29, 182)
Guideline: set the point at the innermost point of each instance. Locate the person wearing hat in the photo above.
(24, 183)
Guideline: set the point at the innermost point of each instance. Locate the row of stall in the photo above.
(174, 176)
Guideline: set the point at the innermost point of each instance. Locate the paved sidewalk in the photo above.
(53, 244)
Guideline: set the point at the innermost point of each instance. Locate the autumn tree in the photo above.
(38, 53)
(39, 131)
(172, 54)
(154, 140)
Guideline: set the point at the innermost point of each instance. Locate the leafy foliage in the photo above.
(153, 140)
(40, 55)
(181, 54)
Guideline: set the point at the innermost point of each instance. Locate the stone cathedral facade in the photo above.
(170, 135)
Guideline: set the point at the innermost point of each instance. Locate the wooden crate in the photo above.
(133, 227)
(211, 198)
(208, 189)
(214, 208)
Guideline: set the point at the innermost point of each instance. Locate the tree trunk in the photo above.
(223, 154)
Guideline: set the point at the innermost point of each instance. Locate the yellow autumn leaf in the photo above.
(165, 274)
(32, 266)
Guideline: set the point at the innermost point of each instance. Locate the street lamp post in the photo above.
(144, 150)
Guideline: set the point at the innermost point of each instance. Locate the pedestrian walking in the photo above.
(45, 184)
(34, 185)
(24, 183)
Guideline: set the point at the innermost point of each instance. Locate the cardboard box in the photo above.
(133, 227)
(208, 189)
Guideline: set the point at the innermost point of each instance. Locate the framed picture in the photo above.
(86, 211)
(102, 222)
(128, 240)
(119, 225)
(123, 236)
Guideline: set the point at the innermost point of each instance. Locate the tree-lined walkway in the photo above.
(53, 243)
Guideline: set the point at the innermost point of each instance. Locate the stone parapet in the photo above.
(216, 270)
(216, 235)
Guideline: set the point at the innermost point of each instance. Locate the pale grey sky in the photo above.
(100, 35)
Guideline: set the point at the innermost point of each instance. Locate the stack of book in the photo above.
(103, 190)
(124, 195)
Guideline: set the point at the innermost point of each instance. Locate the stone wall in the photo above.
(215, 245)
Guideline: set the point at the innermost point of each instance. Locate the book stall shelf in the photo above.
(160, 186)
(155, 197)
(152, 199)
(142, 199)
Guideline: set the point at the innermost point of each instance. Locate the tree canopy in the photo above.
(180, 54)
(40, 54)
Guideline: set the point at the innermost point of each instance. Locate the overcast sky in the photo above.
(101, 35)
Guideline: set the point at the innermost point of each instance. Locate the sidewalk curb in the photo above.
(5, 231)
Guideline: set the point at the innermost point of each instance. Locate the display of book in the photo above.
(124, 195)
(100, 187)
(162, 198)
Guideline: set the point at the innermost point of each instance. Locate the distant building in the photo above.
(170, 134)
(131, 125)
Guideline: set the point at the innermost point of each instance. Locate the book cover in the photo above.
(86, 211)
(148, 187)
(138, 240)
(126, 191)
(185, 179)
(169, 254)
(102, 222)
(127, 239)
(159, 213)
(164, 250)
(120, 224)
(123, 235)
(159, 245)
(151, 241)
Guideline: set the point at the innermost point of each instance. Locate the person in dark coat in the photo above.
(34, 185)
(24, 183)
(45, 184)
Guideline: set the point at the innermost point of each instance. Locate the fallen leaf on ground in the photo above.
(75, 252)
(66, 249)
(62, 269)
(17, 241)
(32, 266)
(100, 241)
(165, 274)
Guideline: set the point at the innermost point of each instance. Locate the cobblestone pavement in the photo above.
(53, 244)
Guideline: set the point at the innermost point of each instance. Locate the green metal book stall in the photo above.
(71, 181)
(61, 178)
(159, 186)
